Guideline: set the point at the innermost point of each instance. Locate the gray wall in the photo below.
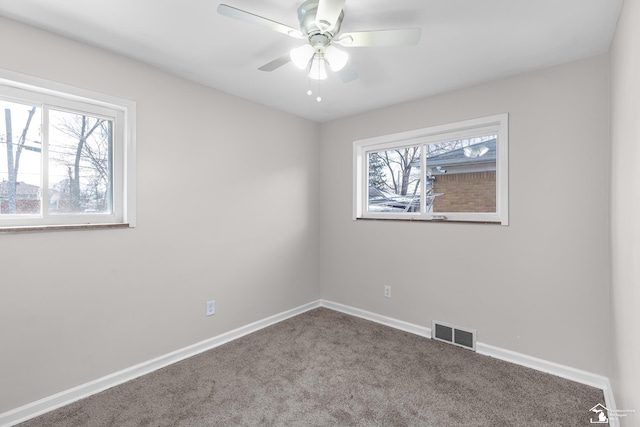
(538, 286)
(625, 209)
(227, 210)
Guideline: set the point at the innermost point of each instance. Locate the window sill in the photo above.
(440, 221)
(71, 227)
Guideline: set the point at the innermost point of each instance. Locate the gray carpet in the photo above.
(325, 368)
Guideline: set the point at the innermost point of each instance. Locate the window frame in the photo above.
(496, 124)
(49, 95)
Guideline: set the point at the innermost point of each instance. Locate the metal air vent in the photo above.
(462, 337)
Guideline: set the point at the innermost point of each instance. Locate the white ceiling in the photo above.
(464, 42)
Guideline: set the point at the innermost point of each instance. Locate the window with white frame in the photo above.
(67, 155)
(455, 172)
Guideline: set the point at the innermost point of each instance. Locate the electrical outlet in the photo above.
(211, 308)
(387, 291)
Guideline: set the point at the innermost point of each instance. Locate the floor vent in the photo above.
(455, 335)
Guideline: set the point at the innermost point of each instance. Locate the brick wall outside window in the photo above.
(465, 192)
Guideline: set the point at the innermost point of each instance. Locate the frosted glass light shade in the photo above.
(318, 70)
(337, 58)
(301, 56)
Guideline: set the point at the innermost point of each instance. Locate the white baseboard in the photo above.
(423, 331)
(567, 372)
(39, 407)
(563, 371)
(610, 403)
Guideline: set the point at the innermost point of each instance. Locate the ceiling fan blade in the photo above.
(328, 14)
(347, 74)
(405, 37)
(242, 15)
(276, 63)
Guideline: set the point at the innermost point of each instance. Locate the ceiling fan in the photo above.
(320, 22)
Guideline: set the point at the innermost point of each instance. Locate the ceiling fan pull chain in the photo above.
(309, 91)
(318, 98)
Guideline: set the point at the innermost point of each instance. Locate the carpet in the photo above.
(325, 368)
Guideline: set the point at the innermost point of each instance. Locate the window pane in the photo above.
(461, 175)
(394, 180)
(20, 159)
(80, 163)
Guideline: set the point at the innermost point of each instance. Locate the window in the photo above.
(67, 155)
(455, 172)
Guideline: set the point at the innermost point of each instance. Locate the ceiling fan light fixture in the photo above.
(320, 25)
(337, 58)
(318, 70)
(301, 56)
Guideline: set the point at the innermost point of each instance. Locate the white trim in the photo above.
(610, 403)
(496, 124)
(563, 371)
(45, 94)
(39, 407)
(49, 87)
(412, 328)
(130, 164)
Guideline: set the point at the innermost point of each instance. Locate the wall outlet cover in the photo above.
(211, 308)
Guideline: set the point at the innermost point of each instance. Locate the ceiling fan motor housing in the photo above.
(307, 17)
